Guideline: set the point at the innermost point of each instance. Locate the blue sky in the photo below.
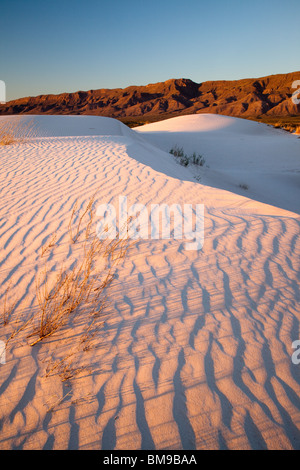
(50, 46)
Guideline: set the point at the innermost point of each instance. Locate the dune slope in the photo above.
(245, 157)
(195, 347)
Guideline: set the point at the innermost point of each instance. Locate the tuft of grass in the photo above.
(177, 152)
(197, 159)
(185, 160)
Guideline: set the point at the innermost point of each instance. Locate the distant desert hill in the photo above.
(249, 98)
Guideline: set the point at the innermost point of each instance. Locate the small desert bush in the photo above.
(184, 159)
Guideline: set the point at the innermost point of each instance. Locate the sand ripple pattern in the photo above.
(195, 351)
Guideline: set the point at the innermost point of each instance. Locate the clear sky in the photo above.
(52, 46)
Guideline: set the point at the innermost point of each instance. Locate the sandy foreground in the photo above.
(194, 348)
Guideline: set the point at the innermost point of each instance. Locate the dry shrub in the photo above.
(15, 130)
(74, 295)
(82, 287)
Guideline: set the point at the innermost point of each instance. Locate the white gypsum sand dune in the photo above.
(238, 154)
(195, 347)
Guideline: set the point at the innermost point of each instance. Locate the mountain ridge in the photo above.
(249, 98)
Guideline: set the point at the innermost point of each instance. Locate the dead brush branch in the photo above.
(47, 247)
(88, 209)
(85, 342)
(68, 371)
(71, 221)
(8, 306)
(54, 365)
(66, 368)
(58, 402)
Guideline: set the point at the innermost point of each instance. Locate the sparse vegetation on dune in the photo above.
(287, 123)
(77, 293)
(83, 286)
(244, 186)
(15, 131)
(184, 159)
